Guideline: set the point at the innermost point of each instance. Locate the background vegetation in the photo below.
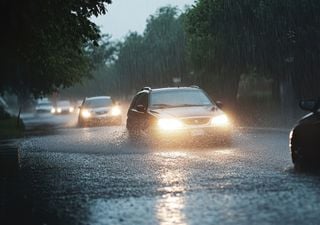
(255, 55)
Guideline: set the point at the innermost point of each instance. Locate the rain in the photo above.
(160, 112)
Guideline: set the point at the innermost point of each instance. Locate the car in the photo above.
(99, 110)
(63, 107)
(44, 106)
(304, 139)
(177, 115)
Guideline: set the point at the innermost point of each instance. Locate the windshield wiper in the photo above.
(162, 105)
(188, 105)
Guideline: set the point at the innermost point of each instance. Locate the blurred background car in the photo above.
(63, 107)
(100, 110)
(43, 106)
(177, 114)
(304, 137)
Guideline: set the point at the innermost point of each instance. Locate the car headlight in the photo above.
(115, 111)
(59, 110)
(220, 121)
(53, 110)
(169, 124)
(71, 109)
(85, 113)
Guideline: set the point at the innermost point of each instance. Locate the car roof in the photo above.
(44, 103)
(98, 97)
(63, 102)
(174, 89)
(169, 89)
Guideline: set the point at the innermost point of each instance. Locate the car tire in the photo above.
(133, 134)
(81, 123)
(296, 157)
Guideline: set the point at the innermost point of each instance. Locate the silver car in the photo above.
(99, 110)
(63, 107)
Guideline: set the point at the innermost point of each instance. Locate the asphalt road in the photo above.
(95, 175)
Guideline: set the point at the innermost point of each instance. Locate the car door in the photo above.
(137, 116)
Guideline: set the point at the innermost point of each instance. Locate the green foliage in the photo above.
(42, 43)
(154, 58)
(10, 129)
(102, 57)
(271, 37)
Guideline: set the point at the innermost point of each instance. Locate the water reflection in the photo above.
(169, 209)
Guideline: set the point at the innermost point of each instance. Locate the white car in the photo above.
(63, 107)
(44, 106)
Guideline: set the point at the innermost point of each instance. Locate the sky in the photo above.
(131, 15)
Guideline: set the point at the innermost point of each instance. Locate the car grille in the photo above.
(196, 121)
(101, 112)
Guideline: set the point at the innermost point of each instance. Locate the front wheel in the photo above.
(296, 156)
(118, 122)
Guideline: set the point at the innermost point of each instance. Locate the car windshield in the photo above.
(45, 104)
(64, 103)
(96, 103)
(179, 98)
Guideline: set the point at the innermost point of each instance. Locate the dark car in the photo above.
(99, 110)
(177, 114)
(305, 136)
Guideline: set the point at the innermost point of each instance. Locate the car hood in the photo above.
(310, 118)
(100, 109)
(64, 107)
(185, 112)
(44, 107)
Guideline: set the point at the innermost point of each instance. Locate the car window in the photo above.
(44, 104)
(179, 98)
(63, 103)
(96, 103)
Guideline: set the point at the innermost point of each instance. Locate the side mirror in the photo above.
(141, 108)
(219, 104)
(309, 105)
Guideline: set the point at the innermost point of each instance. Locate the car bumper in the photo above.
(102, 120)
(193, 134)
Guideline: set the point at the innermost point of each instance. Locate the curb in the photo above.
(9, 158)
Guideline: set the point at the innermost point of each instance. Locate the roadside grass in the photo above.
(10, 129)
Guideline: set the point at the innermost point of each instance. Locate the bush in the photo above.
(4, 114)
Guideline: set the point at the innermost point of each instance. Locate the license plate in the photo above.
(197, 132)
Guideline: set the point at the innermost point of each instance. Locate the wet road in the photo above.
(97, 176)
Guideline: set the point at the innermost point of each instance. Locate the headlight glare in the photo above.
(169, 124)
(59, 110)
(53, 110)
(71, 109)
(115, 111)
(85, 113)
(220, 121)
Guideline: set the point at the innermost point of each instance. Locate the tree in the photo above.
(42, 43)
(273, 38)
(218, 45)
(154, 58)
(101, 82)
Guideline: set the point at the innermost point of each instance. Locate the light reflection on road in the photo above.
(169, 209)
